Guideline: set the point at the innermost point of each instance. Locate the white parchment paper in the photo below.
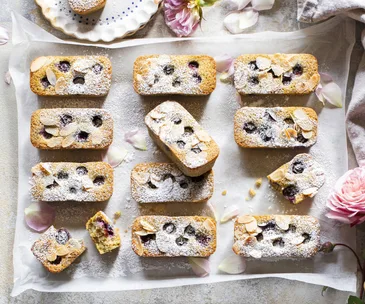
(235, 171)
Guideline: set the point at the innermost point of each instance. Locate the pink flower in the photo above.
(182, 16)
(347, 200)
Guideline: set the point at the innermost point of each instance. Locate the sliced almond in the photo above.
(51, 257)
(300, 114)
(307, 135)
(68, 141)
(138, 246)
(252, 226)
(263, 63)
(257, 254)
(155, 177)
(277, 175)
(52, 130)
(143, 232)
(240, 234)
(96, 137)
(46, 168)
(68, 129)
(61, 250)
(313, 81)
(282, 222)
(310, 191)
(157, 115)
(291, 133)
(278, 70)
(74, 244)
(147, 226)
(305, 125)
(298, 240)
(245, 219)
(209, 224)
(38, 63)
(51, 76)
(48, 121)
(87, 127)
(203, 135)
(289, 176)
(141, 177)
(61, 85)
(250, 241)
(54, 142)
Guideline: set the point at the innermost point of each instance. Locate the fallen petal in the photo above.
(227, 77)
(325, 78)
(214, 211)
(237, 22)
(223, 63)
(137, 139)
(7, 78)
(115, 155)
(39, 216)
(233, 265)
(333, 94)
(4, 36)
(200, 266)
(230, 213)
(235, 5)
(261, 5)
(319, 94)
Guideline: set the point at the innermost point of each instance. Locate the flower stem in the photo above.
(355, 254)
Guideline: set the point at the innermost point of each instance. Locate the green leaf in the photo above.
(324, 289)
(207, 2)
(354, 300)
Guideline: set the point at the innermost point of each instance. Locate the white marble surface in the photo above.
(281, 18)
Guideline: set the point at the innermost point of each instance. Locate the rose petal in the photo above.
(237, 22)
(233, 265)
(235, 5)
(261, 5)
(4, 36)
(137, 139)
(39, 216)
(115, 155)
(7, 78)
(223, 63)
(200, 266)
(333, 94)
(230, 213)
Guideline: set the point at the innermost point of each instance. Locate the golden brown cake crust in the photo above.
(276, 236)
(276, 74)
(103, 233)
(280, 127)
(164, 236)
(71, 75)
(83, 7)
(174, 74)
(181, 137)
(164, 183)
(64, 181)
(56, 250)
(54, 129)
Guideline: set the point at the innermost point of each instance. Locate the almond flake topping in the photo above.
(298, 240)
(307, 135)
(291, 133)
(147, 226)
(203, 136)
(96, 137)
(282, 222)
(68, 141)
(245, 219)
(141, 177)
(138, 246)
(52, 130)
(61, 85)
(51, 76)
(209, 224)
(263, 63)
(38, 63)
(252, 226)
(51, 257)
(54, 141)
(277, 175)
(68, 129)
(47, 121)
(310, 191)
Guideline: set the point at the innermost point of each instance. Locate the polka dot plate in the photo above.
(118, 19)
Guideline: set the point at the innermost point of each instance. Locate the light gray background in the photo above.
(281, 18)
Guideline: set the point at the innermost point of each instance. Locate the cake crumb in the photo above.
(224, 192)
(251, 192)
(126, 231)
(117, 215)
(258, 182)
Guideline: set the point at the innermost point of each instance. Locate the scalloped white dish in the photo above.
(118, 19)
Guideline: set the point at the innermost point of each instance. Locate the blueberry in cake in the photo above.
(57, 250)
(298, 179)
(276, 236)
(164, 236)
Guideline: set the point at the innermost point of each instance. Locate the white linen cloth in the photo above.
(317, 10)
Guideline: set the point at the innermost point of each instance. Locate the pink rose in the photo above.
(182, 16)
(347, 200)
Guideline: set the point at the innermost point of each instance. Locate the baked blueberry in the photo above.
(62, 175)
(97, 121)
(109, 229)
(176, 120)
(180, 144)
(265, 133)
(157, 79)
(64, 66)
(53, 185)
(45, 134)
(202, 238)
(189, 230)
(298, 167)
(273, 74)
(188, 131)
(82, 136)
(147, 239)
(79, 80)
(289, 121)
(62, 236)
(193, 65)
(176, 82)
(45, 83)
(57, 261)
(287, 78)
(73, 190)
(249, 127)
(269, 226)
(81, 170)
(180, 241)
(254, 80)
(306, 237)
(301, 138)
(66, 119)
(290, 192)
(168, 69)
(259, 237)
(197, 77)
(184, 184)
(297, 70)
(152, 185)
(169, 228)
(292, 228)
(99, 180)
(196, 150)
(167, 176)
(253, 66)
(278, 242)
(97, 68)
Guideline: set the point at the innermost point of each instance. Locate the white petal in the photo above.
(235, 5)
(200, 266)
(39, 216)
(4, 36)
(230, 213)
(239, 99)
(212, 208)
(115, 156)
(227, 77)
(237, 22)
(333, 94)
(325, 78)
(7, 78)
(137, 139)
(223, 63)
(261, 5)
(319, 95)
(233, 265)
